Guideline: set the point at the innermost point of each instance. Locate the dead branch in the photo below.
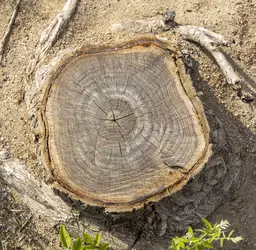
(8, 30)
(52, 32)
(210, 40)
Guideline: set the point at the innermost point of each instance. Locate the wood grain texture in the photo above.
(122, 125)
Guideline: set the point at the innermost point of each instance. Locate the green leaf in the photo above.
(174, 244)
(200, 247)
(65, 237)
(77, 244)
(177, 240)
(218, 234)
(89, 247)
(212, 236)
(202, 231)
(104, 247)
(237, 239)
(190, 230)
(207, 224)
(184, 240)
(229, 235)
(195, 240)
(206, 244)
(97, 240)
(181, 244)
(87, 238)
(221, 242)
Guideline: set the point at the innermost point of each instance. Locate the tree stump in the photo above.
(122, 125)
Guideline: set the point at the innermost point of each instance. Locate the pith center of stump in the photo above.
(122, 125)
(120, 110)
(114, 131)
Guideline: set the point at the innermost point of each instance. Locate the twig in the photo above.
(25, 223)
(136, 240)
(51, 33)
(8, 30)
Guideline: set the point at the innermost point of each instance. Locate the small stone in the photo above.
(254, 173)
(4, 154)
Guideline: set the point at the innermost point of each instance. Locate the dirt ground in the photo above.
(233, 122)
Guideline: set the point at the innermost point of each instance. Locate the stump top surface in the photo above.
(122, 125)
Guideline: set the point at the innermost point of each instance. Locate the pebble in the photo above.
(243, 218)
(4, 154)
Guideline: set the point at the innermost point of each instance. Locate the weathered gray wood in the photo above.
(52, 32)
(39, 197)
(120, 126)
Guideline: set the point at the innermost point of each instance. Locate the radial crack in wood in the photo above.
(122, 125)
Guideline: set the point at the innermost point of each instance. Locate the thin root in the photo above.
(8, 30)
(51, 33)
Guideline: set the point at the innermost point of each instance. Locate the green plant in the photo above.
(86, 242)
(199, 240)
(203, 238)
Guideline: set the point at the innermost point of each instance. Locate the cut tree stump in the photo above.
(122, 125)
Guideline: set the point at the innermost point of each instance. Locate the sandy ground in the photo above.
(91, 25)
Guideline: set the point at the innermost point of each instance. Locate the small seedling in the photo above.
(200, 239)
(85, 242)
(203, 238)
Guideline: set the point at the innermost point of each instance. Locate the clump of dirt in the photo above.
(232, 174)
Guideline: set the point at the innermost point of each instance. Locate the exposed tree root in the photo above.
(8, 30)
(40, 198)
(42, 201)
(210, 40)
(50, 35)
